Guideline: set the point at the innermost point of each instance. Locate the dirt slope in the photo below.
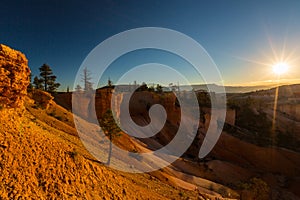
(38, 161)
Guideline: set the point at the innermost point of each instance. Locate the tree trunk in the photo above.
(110, 149)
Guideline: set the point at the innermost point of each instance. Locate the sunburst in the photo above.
(280, 68)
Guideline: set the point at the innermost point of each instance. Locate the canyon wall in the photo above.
(291, 110)
(140, 103)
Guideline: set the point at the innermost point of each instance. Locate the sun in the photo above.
(280, 68)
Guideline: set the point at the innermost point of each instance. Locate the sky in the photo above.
(243, 38)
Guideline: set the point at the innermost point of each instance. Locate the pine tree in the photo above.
(37, 83)
(78, 88)
(86, 78)
(48, 79)
(30, 86)
(159, 88)
(110, 128)
(109, 83)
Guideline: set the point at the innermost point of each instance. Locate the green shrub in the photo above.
(58, 118)
(73, 154)
(257, 188)
(223, 191)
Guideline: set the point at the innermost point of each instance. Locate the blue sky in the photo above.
(244, 38)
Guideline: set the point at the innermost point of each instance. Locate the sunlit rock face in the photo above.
(14, 77)
(41, 98)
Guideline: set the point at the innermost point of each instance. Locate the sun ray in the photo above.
(275, 55)
(291, 58)
(274, 113)
(283, 50)
(250, 60)
(284, 45)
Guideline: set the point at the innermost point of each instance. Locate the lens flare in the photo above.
(280, 68)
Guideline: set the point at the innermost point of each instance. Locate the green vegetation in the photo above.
(73, 154)
(288, 140)
(222, 191)
(53, 114)
(144, 87)
(181, 194)
(78, 88)
(47, 80)
(204, 99)
(256, 188)
(37, 83)
(110, 128)
(30, 86)
(252, 120)
(86, 78)
(159, 88)
(253, 125)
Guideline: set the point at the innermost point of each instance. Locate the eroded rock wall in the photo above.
(14, 77)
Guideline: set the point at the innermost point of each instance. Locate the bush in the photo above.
(256, 188)
(58, 118)
(223, 191)
(73, 154)
(52, 114)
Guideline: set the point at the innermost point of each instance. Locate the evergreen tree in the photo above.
(37, 83)
(109, 83)
(78, 88)
(48, 79)
(143, 87)
(86, 78)
(30, 86)
(159, 88)
(110, 128)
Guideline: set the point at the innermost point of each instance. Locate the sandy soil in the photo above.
(38, 161)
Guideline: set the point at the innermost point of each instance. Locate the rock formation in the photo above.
(14, 77)
(41, 98)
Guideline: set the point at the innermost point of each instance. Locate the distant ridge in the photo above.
(284, 90)
(213, 87)
(228, 89)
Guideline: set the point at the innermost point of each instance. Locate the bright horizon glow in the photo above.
(280, 68)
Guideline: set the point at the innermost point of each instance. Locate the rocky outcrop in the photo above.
(14, 77)
(41, 98)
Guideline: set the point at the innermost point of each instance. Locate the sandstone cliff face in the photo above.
(14, 77)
